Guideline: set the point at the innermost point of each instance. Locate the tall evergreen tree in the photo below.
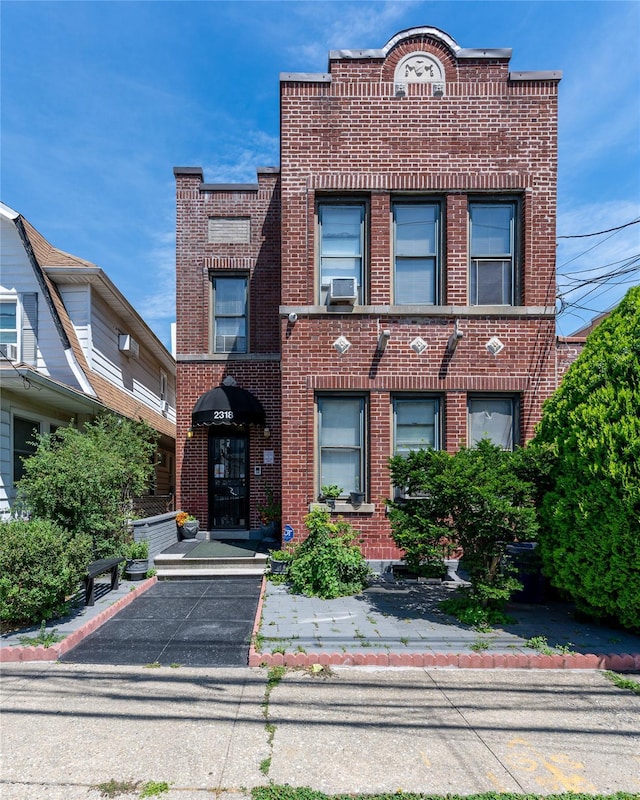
(590, 543)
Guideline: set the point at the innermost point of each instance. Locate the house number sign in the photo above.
(223, 415)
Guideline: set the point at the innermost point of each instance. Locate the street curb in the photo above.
(32, 653)
(618, 662)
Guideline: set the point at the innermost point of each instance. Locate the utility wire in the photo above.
(599, 233)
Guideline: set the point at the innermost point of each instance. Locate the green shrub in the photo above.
(590, 543)
(476, 499)
(85, 480)
(40, 567)
(328, 563)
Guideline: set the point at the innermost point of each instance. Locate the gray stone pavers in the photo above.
(404, 617)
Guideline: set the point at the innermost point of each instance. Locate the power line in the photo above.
(599, 233)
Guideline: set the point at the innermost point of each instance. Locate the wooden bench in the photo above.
(98, 567)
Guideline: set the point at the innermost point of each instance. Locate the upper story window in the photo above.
(492, 262)
(493, 418)
(341, 249)
(341, 438)
(415, 424)
(229, 314)
(9, 329)
(416, 234)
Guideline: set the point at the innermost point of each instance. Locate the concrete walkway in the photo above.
(67, 728)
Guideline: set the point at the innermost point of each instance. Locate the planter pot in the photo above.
(278, 567)
(189, 530)
(137, 568)
(356, 498)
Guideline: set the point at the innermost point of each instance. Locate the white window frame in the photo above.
(435, 255)
(5, 333)
(479, 399)
(506, 261)
(324, 259)
(359, 449)
(218, 316)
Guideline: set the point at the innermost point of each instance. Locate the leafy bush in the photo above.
(328, 563)
(40, 566)
(85, 480)
(590, 545)
(476, 499)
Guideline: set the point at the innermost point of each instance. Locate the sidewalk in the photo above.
(217, 733)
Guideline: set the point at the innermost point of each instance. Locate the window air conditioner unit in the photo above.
(128, 345)
(164, 405)
(9, 351)
(343, 290)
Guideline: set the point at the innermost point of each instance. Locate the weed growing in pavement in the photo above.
(274, 676)
(154, 788)
(540, 644)
(152, 665)
(479, 645)
(623, 683)
(44, 637)
(405, 640)
(274, 792)
(115, 788)
(469, 610)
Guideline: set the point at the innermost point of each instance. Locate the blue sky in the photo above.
(100, 100)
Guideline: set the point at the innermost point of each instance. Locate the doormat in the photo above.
(223, 549)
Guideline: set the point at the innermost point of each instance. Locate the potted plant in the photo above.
(188, 525)
(137, 555)
(356, 498)
(270, 511)
(279, 561)
(329, 493)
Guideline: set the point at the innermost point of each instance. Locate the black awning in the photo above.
(228, 405)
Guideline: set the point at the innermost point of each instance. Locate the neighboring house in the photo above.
(72, 346)
(391, 286)
(570, 347)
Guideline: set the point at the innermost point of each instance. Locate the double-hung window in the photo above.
(416, 234)
(9, 329)
(341, 439)
(24, 446)
(492, 263)
(341, 228)
(415, 424)
(230, 314)
(493, 418)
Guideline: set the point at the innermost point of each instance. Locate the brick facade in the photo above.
(351, 135)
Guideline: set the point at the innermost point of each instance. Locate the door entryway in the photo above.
(228, 481)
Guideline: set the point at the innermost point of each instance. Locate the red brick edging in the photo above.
(31, 653)
(618, 662)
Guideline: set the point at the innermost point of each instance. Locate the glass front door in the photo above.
(228, 481)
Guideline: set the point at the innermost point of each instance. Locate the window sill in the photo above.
(344, 508)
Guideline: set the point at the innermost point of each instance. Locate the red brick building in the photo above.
(391, 286)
